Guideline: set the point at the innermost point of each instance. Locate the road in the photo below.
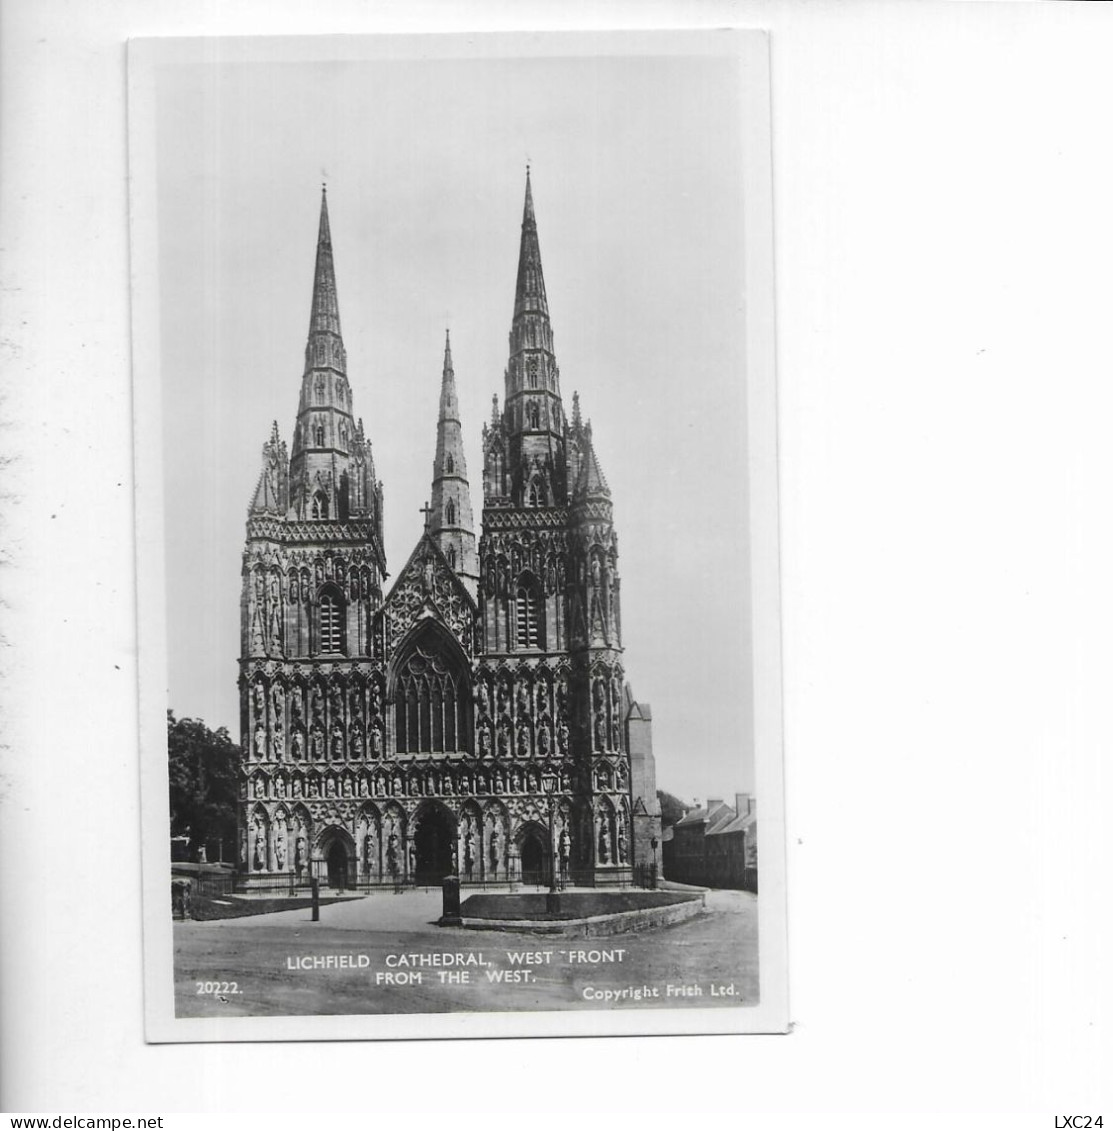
(384, 954)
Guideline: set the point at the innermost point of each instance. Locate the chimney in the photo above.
(713, 805)
(742, 804)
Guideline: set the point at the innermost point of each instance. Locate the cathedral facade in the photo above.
(476, 719)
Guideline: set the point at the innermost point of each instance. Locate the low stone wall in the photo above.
(596, 926)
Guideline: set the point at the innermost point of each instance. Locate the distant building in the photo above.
(714, 845)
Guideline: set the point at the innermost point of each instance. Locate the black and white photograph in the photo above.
(426, 330)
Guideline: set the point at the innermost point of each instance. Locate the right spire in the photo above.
(529, 296)
(531, 469)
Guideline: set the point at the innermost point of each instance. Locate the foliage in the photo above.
(672, 808)
(202, 782)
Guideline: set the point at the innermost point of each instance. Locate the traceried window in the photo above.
(331, 622)
(449, 465)
(319, 507)
(527, 620)
(535, 495)
(450, 513)
(431, 706)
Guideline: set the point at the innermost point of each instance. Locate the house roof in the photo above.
(697, 816)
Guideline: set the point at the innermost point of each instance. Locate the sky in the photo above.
(636, 170)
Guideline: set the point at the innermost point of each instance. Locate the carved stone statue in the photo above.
(621, 845)
(543, 740)
(299, 854)
(368, 850)
(330, 786)
(260, 741)
(562, 738)
(482, 698)
(523, 743)
(604, 842)
(523, 700)
(504, 739)
(376, 742)
(260, 859)
(296, 748)
(600, 733)
(484, 742)
(347, 787)
(280, 851)
(495, 850)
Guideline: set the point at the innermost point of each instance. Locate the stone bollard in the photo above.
(450, 902)
(315, 891)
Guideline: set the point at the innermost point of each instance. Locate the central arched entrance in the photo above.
(434, 836)
(534, 857)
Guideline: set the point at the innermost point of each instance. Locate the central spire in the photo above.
(450, 515)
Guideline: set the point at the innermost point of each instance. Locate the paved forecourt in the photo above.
(385, 954)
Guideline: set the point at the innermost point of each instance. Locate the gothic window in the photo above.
(320, 387)
(450, 513)
(319, 435)
(533, 412)
(430, 705)
(319, 509)
(535, 493)
(528, 627)
(331, 622)
(452, 556)
(449, 465)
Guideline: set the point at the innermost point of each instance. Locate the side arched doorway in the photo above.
(434, 837)
(533, 854)
(338, 854)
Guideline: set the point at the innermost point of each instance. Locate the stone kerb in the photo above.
(597, 926)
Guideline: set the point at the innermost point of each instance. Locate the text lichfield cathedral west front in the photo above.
(476, 720)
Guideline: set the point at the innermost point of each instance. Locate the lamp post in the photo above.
(653, 845)
(550, 782)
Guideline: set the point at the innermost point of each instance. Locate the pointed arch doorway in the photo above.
(434, 837)
(534, 855)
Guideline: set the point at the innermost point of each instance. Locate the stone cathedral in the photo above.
(476, 719)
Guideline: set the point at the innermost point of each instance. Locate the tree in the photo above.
(202, 782)
(672, 808)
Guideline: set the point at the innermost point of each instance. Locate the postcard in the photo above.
(455, 416)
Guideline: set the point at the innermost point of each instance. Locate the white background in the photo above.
(944, 237)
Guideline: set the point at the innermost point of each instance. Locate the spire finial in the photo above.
(447, 360)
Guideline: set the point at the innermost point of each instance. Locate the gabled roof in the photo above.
(415, 571)
(737, 825)
(697, 816)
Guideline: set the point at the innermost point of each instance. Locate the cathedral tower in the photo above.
(549, 595)
(313, 566)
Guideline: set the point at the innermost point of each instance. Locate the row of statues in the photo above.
(418, 783)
